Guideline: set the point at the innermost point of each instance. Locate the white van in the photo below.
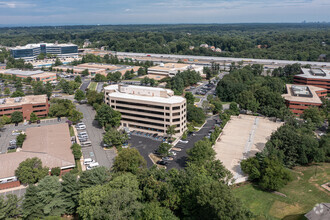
(88, 161)
(86, 143)
(81, 127)
(92, 165)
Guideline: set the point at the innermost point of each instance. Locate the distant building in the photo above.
(299, 97)
(314, 77)
(2, 66)
(147, 109)
(43, 143)
(87, 43)
(36, 75)
(31, 51)
(171, 69)
(212, 48)
(204, 45)
(218, 50)
(26, 104)
(79, 70)
(319, 212)
(191, 47)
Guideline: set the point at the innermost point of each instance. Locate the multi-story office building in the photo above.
(31, 51)
(147, 109)
(314, 77)
(27, 104)
(299, 98)
(36, 75)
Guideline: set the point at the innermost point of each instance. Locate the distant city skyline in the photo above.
(86, 12)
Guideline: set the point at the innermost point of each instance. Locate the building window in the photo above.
(176, 114)
(19, 108)
(167, 114)
(176, 108)
(38, 106)
(167, 108)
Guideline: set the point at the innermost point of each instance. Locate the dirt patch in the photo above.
(155, 159)
(282, 209)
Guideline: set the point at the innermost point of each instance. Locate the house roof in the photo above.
(50, 143)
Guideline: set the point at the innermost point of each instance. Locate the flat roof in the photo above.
(291, 96)
(30, 99)
(307, 73)
(169, 66)
(23, 72)
(31, 46)
(155, 99)
(42, 142)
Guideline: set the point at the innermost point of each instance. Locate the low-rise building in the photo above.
(43, 143)
(299, 97)
(314, 77)
(2, 66)
(171, 69)
(36, 75)
(147, 109)
(79, 70)
(27, 104)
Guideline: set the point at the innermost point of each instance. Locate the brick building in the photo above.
(27, 104)
(36, 75)
(314, 77)
(299, 98)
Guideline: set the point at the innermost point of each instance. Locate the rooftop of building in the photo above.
(100, 65)
(30, 99)
(170, 66)
(23, 72)
(315, 73)
(144, 93)
(76, 68)
(31, 46)
(300, 93)
(44, 143)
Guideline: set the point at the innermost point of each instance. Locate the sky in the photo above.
(89, 12)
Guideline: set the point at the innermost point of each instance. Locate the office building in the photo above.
(79, 70)
(2, 66)
(31, 51)
(314, 77)
(299, 97)
(36, 75)
(147, 109)
(171, 69)
(27, 104)
(43, 143)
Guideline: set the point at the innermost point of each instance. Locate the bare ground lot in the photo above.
(243, 137)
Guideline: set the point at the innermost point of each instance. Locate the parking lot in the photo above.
(6, 132)
(146, 145)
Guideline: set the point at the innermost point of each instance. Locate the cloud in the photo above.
(16, 4)
(7, 5)
(128, 10)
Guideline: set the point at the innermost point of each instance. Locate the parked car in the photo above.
(86, 143)
(184, 142)
(16, 132)
(166, 158)
(88, 161)
(92, 165)
(173, 153)
(161, 162)
(12, 147)
(81, 127)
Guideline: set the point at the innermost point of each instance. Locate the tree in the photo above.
(75, 116)
(116, 138)
(195, 114)
(85, 72)
(58, 62)
(5, 119)
(190, 98)
(76, 151)
(16, 117)
(314, 114)
(142, 71)
(247, 101)
(201, 152)
(70, 191)
(48, 89)
(45, 199)
(106, 115)
(163, 149)
(117, 200)
(33, 117)
(128, 75)
(7, 91)
(20, 139)
(9, 207)
(96, 176)
(31, 171)
(100, 78)
(55, 171)
(171, 130)
(153, 211)
(94, 97)
(115, 77)
(17, 94)
(77, 79)
(129, 160)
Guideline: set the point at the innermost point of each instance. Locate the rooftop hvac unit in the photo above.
(161, 64)
(18, 99)
(2, 101)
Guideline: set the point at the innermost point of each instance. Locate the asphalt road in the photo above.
(95, 134)
(84, 85)
(99, 87)
(219, 59)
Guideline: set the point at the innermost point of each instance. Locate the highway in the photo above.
(223, 59)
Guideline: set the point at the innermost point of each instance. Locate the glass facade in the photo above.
(22, 53)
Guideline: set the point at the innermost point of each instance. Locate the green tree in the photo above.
(76, 151)
(114, 77)
(33, 117)
(6, 91)
(100, 78)
(314, 114)
(190, 98)
(77, 79)
(94, 97)
(171, 130)
(5, 119)
(96, 176)
(9, 207)
(55, 171)
(30, 171)
(115, 138)
(201, 152)
(70, 191)
(129, 160)
(85, 72)
(20, 139)
(58, 62)
(163, 149)
(43, 200)
(16, 117)
(105, 115)
(17, 94)
(75, 116)
(79, 95)
(195, 114)
(142, 71)
(153, 211)
(247, 101)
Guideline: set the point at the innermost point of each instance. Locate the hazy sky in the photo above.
(55, 12)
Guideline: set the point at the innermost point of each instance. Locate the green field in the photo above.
(92, 86)
(303, 193)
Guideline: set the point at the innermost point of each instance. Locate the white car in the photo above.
(173, 153)
(81, 127)
(92, 165)
(184, 142)
(88, 161)
(16, 132)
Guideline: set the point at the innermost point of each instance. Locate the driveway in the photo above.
(95, 134)
(84, 85)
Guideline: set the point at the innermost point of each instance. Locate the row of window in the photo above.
(146, 105)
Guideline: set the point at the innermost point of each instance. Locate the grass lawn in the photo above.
(303, 193)
(197, 99)
(78, 165)
(92, 86)
(11, 151)
(71, 131)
